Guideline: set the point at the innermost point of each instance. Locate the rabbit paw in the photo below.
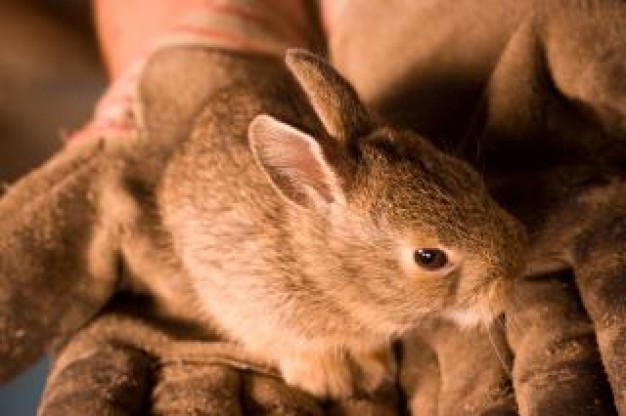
(335, 373)
(374, 367)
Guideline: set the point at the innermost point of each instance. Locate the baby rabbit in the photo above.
(314, 238)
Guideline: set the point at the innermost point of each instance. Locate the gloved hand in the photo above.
(534, 94)
(128, 361)
(554, 153)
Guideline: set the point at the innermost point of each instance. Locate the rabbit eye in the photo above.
(430, 258)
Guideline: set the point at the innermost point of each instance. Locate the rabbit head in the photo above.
(382, 222)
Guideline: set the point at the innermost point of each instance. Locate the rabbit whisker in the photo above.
(498, 354)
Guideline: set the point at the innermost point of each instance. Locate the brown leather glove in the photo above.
(129, 361)
(448, 371)
(534, 93)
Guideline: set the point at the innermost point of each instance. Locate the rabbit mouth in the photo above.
(482, 306)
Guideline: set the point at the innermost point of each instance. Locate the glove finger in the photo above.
(589, 68)
(98, 380)
(557, 367)
(419, 376)
(473, 366)
(385, 401)
(57, 262)
(41, 180)
(193, 388)
(265, 395)
(600, 269)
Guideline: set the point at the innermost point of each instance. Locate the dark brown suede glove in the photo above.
(129, 361)
(533, 93)
(448, 371)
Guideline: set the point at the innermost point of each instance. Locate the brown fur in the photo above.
(559, 188)
(304, 264)
(307, 285)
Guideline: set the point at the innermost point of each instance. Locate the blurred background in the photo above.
(50, 77)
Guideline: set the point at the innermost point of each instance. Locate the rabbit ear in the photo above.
(335, 102)
(57, 262)
(294, 162)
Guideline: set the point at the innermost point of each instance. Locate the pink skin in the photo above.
(127, 29)
(329, 12)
